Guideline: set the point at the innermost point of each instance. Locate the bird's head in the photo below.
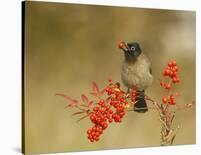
(131, 50)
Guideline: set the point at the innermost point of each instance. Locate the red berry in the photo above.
(94, 128)
(104, 119)
(172, 102)
(93, 133)
(170, 64)
(121, 45)
(101, 102)
(100, 130)
(167, 72)
(118, 96)
(116, 105)
(95, 109)
(88, 131)
(105, 125)
(171, 73)
(90, 136)
(110, 120)
(92, 117)
(164, 99)
(174, 80)
(178, 80)
(97, 134)
(108, 116)
(171, 97)
(110, 111)
(122, 113)
(174, 63)
(111, 102)
(167, 86)
(117, 118)
(164, 74)
(122, 100)
(101, 123)
(174, 74)
(109, 90)
(114, 116)
(176, 68)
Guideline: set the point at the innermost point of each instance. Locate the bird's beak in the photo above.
(122, 45)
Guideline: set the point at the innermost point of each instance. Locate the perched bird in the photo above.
(136, 73)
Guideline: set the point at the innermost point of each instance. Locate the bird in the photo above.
(136, 73)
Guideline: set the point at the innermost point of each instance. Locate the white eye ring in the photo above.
(132, 48)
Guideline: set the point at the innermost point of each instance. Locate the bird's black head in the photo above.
(131, 50)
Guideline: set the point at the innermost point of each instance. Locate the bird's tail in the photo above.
(140, 105)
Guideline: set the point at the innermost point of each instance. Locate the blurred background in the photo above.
(68, 46)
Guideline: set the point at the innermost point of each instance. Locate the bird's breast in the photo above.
(137, 74)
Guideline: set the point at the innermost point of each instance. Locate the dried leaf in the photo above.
(66, 97)
(84, 105)
(79, 112)
(95, 88)
(90, 103)
(102, 91)
(82, 109)
(71, 105)
(94, 94)
(82, 118)
(107, 100)
(84, 99)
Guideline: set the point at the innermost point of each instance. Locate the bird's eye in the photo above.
(132, 48)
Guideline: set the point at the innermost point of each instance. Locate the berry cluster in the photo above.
(94, 133)
(169, 99)
(171, 72)
(109, 110)
(100, 117)
(117, 101)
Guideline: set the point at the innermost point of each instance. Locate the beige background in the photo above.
(69, 46)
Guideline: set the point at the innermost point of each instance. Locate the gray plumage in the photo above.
(136, 73)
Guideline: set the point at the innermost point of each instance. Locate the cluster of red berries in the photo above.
(94, 133)
(117, 101)
(107, 111)
(169, 100)
(171, 72)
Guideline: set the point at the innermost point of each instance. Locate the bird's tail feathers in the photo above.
(140, 105)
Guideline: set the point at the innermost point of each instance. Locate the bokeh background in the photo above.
(68, 46)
